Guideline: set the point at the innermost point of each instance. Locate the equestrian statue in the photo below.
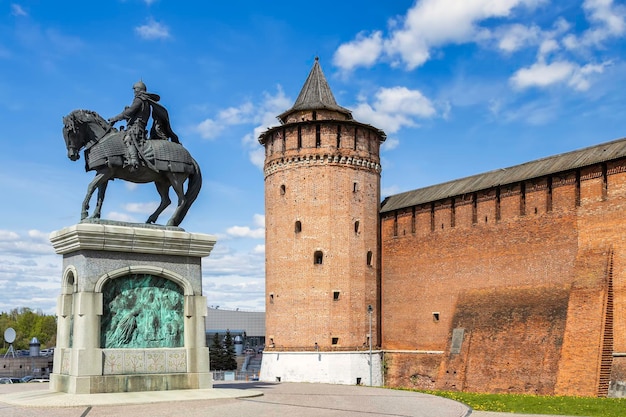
(134, 155)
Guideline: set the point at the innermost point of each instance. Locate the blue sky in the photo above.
(459, 86)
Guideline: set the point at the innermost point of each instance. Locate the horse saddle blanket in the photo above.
(164, 155)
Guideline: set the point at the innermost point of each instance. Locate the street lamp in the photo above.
(370, 310)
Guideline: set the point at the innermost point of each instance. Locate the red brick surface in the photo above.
(542, 247)
(534, 271)
(328, 189)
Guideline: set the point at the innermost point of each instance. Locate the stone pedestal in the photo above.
(131, 311)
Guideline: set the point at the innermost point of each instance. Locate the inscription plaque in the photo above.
(457, 341)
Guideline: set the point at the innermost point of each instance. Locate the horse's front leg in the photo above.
(102, 189)
(95, 183)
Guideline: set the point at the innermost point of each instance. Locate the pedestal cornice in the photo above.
(122, 237)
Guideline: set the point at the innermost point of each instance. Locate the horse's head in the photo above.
(72, 136)
(80, 127)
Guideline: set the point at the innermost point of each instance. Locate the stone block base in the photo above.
(129, 383)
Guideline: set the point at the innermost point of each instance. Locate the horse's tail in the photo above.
(193, 189)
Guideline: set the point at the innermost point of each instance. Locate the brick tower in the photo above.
(322, 196)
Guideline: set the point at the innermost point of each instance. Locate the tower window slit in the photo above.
(299, 137)
(605, 182)
(432, 217)
(318, 136)
(395, 223)
(338, 136)
(318, 258)
(549, 195)
(577, 191)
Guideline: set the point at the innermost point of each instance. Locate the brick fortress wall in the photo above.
(533, 274)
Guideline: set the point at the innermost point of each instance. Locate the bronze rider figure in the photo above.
(137, 116)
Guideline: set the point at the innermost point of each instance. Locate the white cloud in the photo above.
(262, 114)
(39, 236)
(17, 10)
(231, 116)
(257, 157)
(394, 108)
(209, 129)
(33, 244)
(580, 78)
(515, 37)
(541, 74)
(363, 51)
(389, 144)
(153, 30)
(233, 279)
(255, 232)
(121, 217)
(259, 220)
(142, 208)
(607, 20)
(547, 46)
(8, 235)
(431, 24)
(245, 231)
(30, 271)
(428, 24)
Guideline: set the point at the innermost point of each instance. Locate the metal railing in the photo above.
(235, 375)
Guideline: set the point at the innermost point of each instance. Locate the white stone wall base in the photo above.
(345, 368)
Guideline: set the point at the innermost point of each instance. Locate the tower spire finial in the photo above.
(315, 94)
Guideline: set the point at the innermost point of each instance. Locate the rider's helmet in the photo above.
(139, 85)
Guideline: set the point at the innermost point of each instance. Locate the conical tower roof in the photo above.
(315, 95)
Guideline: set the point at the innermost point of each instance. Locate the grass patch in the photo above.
(535, 404)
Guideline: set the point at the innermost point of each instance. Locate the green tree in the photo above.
(28, 324)
(216, 354)
(230, 361)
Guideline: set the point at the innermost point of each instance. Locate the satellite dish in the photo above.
(9, 335)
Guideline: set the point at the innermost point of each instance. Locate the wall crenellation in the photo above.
(556, 193)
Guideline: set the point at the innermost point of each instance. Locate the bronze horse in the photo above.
(166, 164)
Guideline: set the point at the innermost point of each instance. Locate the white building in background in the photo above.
(250, 325)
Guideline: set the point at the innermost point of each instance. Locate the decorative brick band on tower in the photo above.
(322, 195)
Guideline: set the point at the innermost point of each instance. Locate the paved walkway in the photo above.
(234, 400)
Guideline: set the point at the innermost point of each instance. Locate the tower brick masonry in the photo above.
(322, 193)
